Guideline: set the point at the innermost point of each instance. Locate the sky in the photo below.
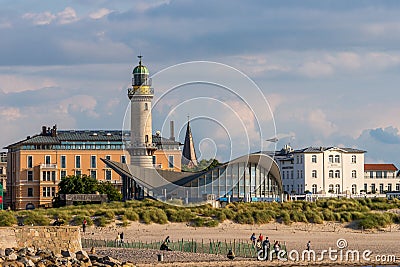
(327, 71)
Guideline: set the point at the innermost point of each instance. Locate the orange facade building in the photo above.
(37, 164)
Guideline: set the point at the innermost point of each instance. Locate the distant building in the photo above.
(3, 172)
(321, 170)
(189, 157)
(37, 163)
(381, 178)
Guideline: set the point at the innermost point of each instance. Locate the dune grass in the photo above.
(368, 213)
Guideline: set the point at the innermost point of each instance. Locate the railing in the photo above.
(241, 248)
(48, 166)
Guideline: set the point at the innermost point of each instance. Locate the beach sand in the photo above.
(296, 236)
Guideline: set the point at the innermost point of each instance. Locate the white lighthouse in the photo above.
(141, 94)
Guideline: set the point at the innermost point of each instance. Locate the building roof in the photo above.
(84, 136)
(380, 167)
(189, 153)
(322, 149)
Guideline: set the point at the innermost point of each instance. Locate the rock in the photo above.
(8, 251)
(12, 257)
(110, 261)
(46, 253)
(2, 252)
(34, 259)
(82, 255)
(94, 257)
(128, 264)
(68, 254)
(92, 250)
(26, 262)
(22, 252)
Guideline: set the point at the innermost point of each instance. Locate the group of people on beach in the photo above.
(264, 244)
(119, 240)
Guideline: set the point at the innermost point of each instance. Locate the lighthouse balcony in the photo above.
(143, 90)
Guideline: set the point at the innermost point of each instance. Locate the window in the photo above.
(314, 188)
(47, 191)
(337, 189)
(378, 174)
(63, 162)
(78, 173)
(314, 158)
(29, 163)
(330, 174)
(154, 160)
(365, 188)
(146, 106)
(353, 174)
(108, 175)
(385, 174)
(337, 174)
(354, 189)
(330, 190)
(93, 174)
(337, 159)
(63, 174)
(30, 176)
(30, 192)
(371, 174)
(93, 162)
(397, 187)
(298, 174)
(380, 188)
(53, 191)
(291, 175)
(46, 176)
(170, 161)
(314, 174)
(353, 159)
(123, 159)
(283, 175)
(297, 159)
(373, 188)
(47, 159)
(53, 176)
(330, 158)
(389, 187)
(301, 174)
(146, 138)
(77, 162)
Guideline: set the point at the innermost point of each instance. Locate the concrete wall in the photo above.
(49, 237)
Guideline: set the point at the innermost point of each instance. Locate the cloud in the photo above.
(100, 13)
(143, 6)
(19, 83)
(388, 135)
(10, 114)
(68, 15)
(79, 104)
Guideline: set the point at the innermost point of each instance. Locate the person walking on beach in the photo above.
(253, 239)
(84, 225)
(277, 248)
(260, 238)
(118, 240)
(121, 236)
(308, 245)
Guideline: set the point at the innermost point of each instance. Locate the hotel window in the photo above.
(337, 189)
(330, 158)
(353, 174)
(397, 187)
(314, 189)
(30, 192)
(378, 174)
(314, 174)
(108, 175)
(93, 174)
(330, 174)
(63, 174)
(170, 161)
(314, 158)
(381, 188)
(30, 176)
(373, 189)
(389, 187)
(371, 174)
(63, 162)
(298, 174)
(29, 163)
(47, 159)
(354, 189)
(385, 174)
(93, 162)
(330, 190)
(337, 159)
(365, 188)
(78, 173)
(283, 175)
(297, 159)
(123, 159)
(53, 176)
(337, 174)
(78, 162)
(353, 159)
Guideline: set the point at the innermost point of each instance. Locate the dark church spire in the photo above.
(189, 154)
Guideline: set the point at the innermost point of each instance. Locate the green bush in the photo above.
(109, 214)
(101, 221)
(211, 223)
(297, 216)
(261, 216)
(132, 215)
(197, 222)
(78, 220)
(158, 216)
(36, 219)
(7, 218)
(285, 216)
(180, 215)
(230, 214)
(375, 220)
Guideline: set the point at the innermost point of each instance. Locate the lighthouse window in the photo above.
(146, 106)
(146, 139)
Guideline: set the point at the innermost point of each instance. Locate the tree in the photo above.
(203, 165)
(83, 184)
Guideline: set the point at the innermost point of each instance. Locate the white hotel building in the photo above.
(381, 178)
(321, 170)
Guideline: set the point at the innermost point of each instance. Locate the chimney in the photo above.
(54, 131)
(44, 130)
(172, 131)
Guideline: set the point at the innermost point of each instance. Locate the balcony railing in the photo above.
(48, 166)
